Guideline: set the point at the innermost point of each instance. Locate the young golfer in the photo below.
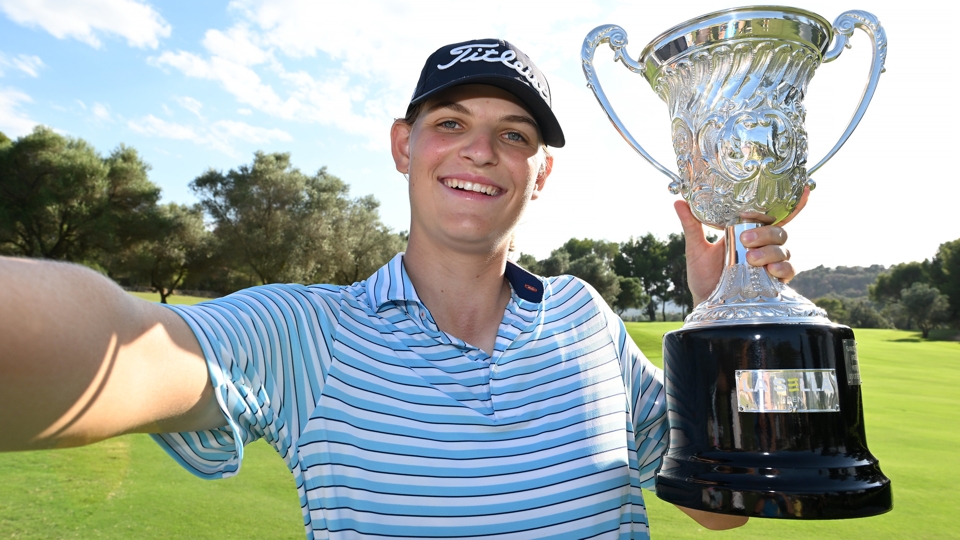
(452, 394)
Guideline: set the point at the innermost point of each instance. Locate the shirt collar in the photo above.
(392, 284)
(525, 285)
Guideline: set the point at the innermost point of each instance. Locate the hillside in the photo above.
(846, 281)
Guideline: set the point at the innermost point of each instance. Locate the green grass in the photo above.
(912, 415)
(172, 299)
(129, 488)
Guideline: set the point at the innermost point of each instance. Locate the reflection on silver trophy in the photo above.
(734, 83)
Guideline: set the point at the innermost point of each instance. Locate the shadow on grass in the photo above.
(939, 334)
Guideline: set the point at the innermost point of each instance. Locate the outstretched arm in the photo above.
(82, 361)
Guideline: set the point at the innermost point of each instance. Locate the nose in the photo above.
(480, 148)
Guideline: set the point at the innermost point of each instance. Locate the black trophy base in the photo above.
(793, 465)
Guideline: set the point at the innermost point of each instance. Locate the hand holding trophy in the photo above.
(763, 391)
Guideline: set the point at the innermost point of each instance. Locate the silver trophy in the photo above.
(763, 391)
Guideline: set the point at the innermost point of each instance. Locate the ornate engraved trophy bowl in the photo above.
(763, 391)
(735, 97)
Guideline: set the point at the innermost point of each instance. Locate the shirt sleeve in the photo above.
(644, 382)
(268, 353)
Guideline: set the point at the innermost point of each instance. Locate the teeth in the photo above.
(470, 186)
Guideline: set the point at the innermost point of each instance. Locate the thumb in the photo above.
(692, 229)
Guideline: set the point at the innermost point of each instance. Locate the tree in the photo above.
(60, 200)
(529, 262)
(676, 272)
(595, 271)
(945, 270)
(860, 314)
(591, 264)
(888, 285)
(834, 308)
(578, 248)
(852, 312)
(180, 244)
(631, 295)
(897, 315)
(272, 218)
(645, 259)
(557, 264)
(926, 306)
(361, 244)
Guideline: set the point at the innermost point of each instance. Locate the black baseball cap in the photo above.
(497, 63)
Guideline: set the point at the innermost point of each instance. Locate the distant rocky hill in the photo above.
(845, 281)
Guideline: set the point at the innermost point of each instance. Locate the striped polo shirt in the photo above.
(393, 428)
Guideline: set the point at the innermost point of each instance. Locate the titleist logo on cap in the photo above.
(493, 54)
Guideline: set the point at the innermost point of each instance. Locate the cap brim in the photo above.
(547, 122)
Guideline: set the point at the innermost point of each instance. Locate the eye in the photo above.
(449, 124)
(515, 136)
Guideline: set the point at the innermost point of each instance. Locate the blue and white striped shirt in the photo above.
(395, 429)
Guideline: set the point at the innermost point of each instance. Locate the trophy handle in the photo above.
(617, 38)
(843, 28)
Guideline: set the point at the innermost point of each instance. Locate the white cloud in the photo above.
(237, 79)
(330, 100)
(231, 129)
(87, 20)
(102, 112)
(151, 125)
(362, 49)
(190, 64)
(237, 45)
(189, 104)
(28, 64)
(372, 72)
(13, 121)
(220, 135)
(245, 112)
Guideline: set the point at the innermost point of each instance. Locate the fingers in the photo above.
(692, 228)
(768, 255)
(691, 225)
(765, 245)
(800, 205)
(783, 270)
(763, 236)
(766, 249)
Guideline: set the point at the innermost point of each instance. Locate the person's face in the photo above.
(474, 160)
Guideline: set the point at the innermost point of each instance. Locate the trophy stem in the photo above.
(736, 252)
(749, 294)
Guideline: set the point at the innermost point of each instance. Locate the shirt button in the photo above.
(423, 315)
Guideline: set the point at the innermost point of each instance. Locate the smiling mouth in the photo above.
(471, 186)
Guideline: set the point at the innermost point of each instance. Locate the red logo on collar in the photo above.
(530, 287)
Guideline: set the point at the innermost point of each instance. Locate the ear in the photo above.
(400, 145)
(542, 177)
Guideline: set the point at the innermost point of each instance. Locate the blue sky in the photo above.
(198, 85)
